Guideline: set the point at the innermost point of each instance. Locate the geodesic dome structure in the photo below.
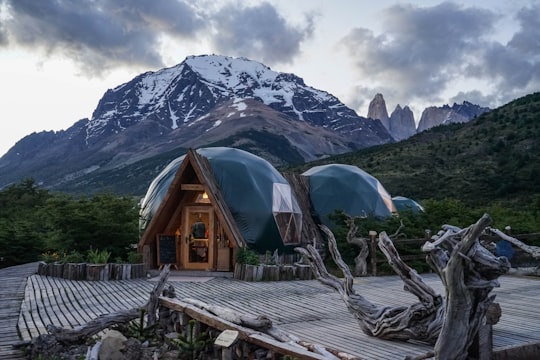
(259, 198)
(403, 203)
(349, 189)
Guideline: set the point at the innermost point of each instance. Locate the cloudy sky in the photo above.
(58, 57)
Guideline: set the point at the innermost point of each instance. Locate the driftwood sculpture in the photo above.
(534, 251)
(420, 321)
(468, 271)
(353, 238)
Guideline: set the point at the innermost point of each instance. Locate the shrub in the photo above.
(134, 257)
(247, 256)
(98, 257)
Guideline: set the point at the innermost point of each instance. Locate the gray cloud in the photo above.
(258, 32)
(100, 34)
(3, 35)
(512, 69)
(527, 40)
(422, 49)
(104, 34)
(473, 96)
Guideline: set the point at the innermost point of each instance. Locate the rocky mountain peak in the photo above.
(457, 113)
(402, 123)
(377, 110)
(171, 108)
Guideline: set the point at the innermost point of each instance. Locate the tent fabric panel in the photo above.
(349, 189)
(156, 192)
(403, 203)
(246, 182)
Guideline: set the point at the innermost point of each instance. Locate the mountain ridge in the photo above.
(494, 158)
(203, 101)
(156, 112)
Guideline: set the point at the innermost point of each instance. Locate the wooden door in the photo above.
(198, 237)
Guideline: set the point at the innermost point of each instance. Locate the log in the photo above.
(360, 261)
(419, 321)
(534, 251)
(469, 273)
(153, 302)
(263, 333)
(79, 333)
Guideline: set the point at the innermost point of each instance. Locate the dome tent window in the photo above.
(287, 213)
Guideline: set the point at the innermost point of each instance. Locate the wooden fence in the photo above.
(265, 272)
(92, 272)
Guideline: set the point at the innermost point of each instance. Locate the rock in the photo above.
(377, 111)
(402, 125)
(458, 113)
(112, 346)
(133, 350)
(93, 352)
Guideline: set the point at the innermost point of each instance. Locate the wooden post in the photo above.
(303, 272)
(373, 243)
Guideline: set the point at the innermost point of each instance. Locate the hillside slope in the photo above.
(495, 157)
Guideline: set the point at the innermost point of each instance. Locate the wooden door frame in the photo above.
(185, 241)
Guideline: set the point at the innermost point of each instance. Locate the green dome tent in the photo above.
(156, 192)
(347, 188)
(259, 198)
(403, 203)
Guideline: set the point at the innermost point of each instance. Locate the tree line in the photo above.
(35, 222)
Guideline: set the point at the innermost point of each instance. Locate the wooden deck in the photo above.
(306, 309)
(12, 285)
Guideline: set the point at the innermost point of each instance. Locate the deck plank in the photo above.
(306, 309)
(12, 294)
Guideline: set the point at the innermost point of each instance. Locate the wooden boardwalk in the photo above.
(12, 286)
(306, 309)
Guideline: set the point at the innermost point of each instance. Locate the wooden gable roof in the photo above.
(195, 169)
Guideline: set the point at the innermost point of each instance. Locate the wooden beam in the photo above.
(246, 334)
(192, 187)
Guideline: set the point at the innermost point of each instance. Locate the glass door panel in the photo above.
(198, 237)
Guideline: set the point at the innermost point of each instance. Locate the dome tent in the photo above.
(259, 198)
(156, 192)
(403, 203)
(347, 188)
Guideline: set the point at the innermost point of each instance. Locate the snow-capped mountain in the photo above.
(177, 96)
(202, 101)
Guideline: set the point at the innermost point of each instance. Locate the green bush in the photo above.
(134, 257)
(247, 256)
(98, 257)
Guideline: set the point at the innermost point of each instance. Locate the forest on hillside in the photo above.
(37, 224)
(492, 159)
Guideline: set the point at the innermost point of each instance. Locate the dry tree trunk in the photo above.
(360, 261)
(469, 272)
(415, 322)
(534, 251)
